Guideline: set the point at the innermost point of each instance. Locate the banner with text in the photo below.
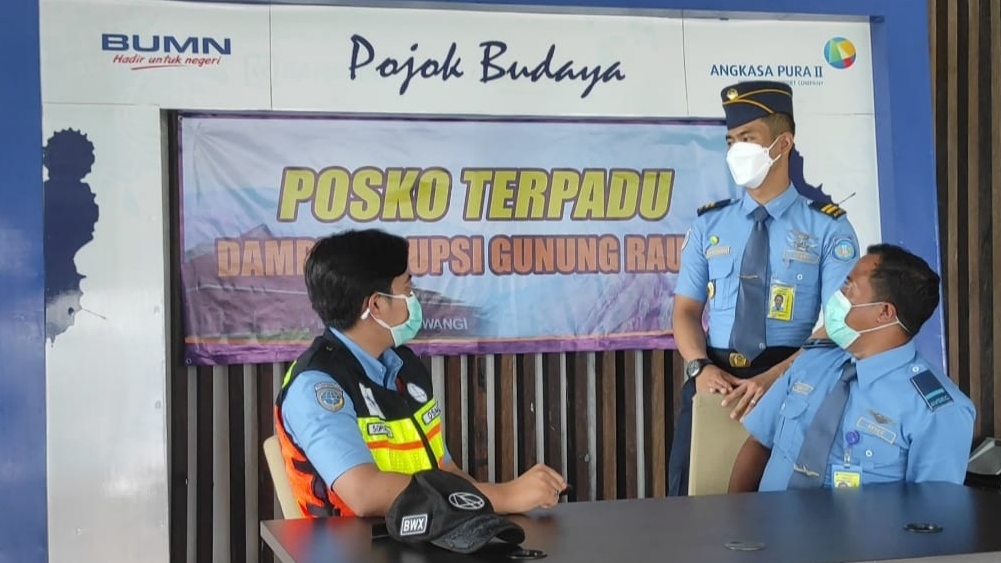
(525, 235)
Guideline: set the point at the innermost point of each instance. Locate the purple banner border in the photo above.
(235, 354)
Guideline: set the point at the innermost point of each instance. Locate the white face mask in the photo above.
(749, 163)
(408, 329)
(835, 320)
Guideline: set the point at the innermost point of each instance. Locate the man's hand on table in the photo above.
(539, 487)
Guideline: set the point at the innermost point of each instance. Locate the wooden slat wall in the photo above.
(605, 420)
(966, 75)
(600, 419)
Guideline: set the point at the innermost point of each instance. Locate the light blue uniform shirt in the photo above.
(331, 439)
(902, 437)
(809, 251)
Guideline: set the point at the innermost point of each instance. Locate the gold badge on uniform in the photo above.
(731, 93)
(738, 360)
(880, 418)
(711, 289)
(713, 239)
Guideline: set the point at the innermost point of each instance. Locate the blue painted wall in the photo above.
(23, 534)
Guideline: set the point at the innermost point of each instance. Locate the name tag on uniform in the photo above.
(873, 429)
(799, 256)
(802, 388)
(715, 251)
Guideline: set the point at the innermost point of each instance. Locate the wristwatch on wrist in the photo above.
(694, 367)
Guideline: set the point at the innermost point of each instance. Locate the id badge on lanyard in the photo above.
(847, 475)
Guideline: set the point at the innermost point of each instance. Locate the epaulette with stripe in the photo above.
(715, 205)
(931, 390)
(829, 209)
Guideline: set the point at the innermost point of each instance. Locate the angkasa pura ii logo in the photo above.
(838, 53)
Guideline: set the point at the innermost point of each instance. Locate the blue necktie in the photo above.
(811, 465)
(748, 333)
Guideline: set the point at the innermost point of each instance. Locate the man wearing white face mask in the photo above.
(356, 415)
(865, 408)
(742, 256)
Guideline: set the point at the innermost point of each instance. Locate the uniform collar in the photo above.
(776, 207)
(874, 367)
(381, 371)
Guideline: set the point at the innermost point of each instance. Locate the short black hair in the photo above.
(908, 282)
(779, 123)
(344, 269)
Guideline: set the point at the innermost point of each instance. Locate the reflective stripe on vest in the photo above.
(404, 445)
(398, 445)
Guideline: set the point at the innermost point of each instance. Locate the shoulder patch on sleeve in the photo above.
(330, 396)
(829, 209)
(714, 205)
(843, 249)
(931, 390)
(819, 343)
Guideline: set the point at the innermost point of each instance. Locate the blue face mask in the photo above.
(408, 329)
(836, 311)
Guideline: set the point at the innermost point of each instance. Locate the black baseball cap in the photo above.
(448, 511)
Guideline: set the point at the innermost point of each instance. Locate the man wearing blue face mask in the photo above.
(763, 264)
(865, 408)
(356, 415)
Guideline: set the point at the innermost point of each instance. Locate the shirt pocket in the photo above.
(722, 283)
(791, 426)
(881, 461)
(806, 280)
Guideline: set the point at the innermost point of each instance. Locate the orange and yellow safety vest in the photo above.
(401, 427)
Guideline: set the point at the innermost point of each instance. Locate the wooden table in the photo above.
(816, 526)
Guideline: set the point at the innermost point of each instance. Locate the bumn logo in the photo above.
(414, 525)
(146, 51)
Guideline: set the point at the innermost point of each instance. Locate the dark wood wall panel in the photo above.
(965, 47)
